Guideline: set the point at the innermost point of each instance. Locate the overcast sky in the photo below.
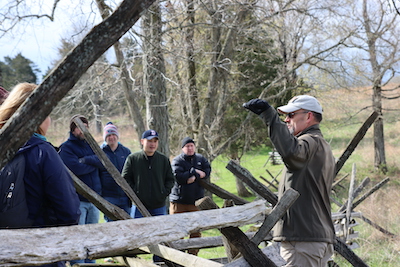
(39, 39)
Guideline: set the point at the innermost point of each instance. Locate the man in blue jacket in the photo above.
(79, 157)
(117, 153)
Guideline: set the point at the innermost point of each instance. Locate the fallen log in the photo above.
(46, 245)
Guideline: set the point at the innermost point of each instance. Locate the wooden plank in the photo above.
(45, 245)
(180, 257)
(244, 175)
(237, 238)
(356, 192)
(197, 243)
(111, 211)
(208, 241)
(370, 192)
(287, 200)
(340, 215)
(376, 226)
(348, 254)
(230, 249)
(268, 182)
(222, 193)
(340, 180)
(350, 200)
(355, 141)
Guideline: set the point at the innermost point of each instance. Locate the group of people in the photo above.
(305, 232)
(147, 171)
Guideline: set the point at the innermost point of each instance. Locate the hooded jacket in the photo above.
(79, 157)
(151, 178)
(310, 170)
(50, 192)
(184, 167)
(118, 157)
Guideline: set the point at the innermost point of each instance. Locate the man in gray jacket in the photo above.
(306, 231)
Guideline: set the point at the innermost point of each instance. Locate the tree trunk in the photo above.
(241, 189)
(193, 102)
(153, 80)
(126, 82)
(379, 139)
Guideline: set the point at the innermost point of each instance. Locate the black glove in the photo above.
(257, 106)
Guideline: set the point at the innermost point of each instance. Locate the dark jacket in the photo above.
(109, 187)
(79, 157)
(150, 178)
(309, 169)
(185, 167)
(50, 192)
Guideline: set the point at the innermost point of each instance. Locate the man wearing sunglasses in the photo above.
(306, 230)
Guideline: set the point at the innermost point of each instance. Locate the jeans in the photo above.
(122, 202)
(135, 213)
(89, 215)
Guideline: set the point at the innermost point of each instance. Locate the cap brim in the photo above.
(288, 108)
(151, 137)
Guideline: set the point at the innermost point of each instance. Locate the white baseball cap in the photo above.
(305, 102)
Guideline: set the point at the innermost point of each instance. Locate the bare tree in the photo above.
(127, 82)
(379, 43)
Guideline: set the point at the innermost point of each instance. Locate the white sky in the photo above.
(38, 39)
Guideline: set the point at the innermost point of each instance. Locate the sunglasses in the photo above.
(291, 114)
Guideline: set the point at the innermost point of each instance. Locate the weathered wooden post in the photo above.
(253, 255)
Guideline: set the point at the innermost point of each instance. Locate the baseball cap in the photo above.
(305, 102)
(149, 134)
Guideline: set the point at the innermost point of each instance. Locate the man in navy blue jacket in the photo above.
(117, 153)
(188, 167)
(79, 157)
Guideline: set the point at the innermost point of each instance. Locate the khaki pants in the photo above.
(181, 208)
(306, 254)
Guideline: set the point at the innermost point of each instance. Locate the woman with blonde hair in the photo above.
(50, 194)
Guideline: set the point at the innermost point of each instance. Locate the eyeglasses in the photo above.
(291, 114)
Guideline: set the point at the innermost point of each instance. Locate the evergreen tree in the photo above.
(17, 69)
